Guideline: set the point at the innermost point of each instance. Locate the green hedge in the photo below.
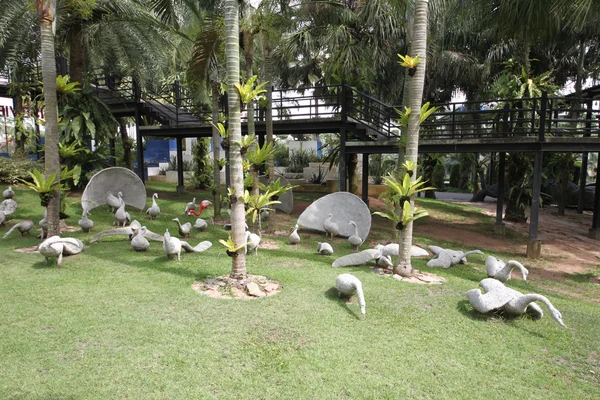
(13, 169)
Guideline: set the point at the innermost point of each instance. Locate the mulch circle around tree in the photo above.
(252, 288)
(420, 277)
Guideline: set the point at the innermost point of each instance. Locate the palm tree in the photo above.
(403, 266)
(46, 11)
(232, 52)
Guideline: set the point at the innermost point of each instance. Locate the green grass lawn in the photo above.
(114, 324)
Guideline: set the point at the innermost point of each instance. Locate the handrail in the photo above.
(536, 118)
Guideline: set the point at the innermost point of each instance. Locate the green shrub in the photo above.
(13, 169)
(281, 154)
(202, 165)
(300, 159)
(455, 175)
(437, 177)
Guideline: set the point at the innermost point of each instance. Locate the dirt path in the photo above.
(566, 247)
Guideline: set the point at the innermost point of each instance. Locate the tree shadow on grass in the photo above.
(332, 294)
(160, 264)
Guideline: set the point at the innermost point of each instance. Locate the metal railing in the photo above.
(528, 117)
(504, 118)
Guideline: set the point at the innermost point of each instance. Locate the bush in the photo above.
(13, 169)
(202, 165)
(300, 159)
(455, 175)
(437, 177)
(281, 154)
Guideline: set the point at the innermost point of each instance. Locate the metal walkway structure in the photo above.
(368, 126)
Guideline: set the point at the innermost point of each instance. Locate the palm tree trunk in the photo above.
(248, 43)
(267, 77)
(216, 146)
(232, 50)
(46, 10)
(76, 57)
(126, 143)
(416, 84)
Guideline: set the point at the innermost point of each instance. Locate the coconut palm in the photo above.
(232, 52)
(46, 12)
(403, 266)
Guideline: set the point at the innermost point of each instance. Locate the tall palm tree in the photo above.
(232, 52)
(46, 12)
(403, 266)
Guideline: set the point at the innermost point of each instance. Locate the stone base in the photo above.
(500, 229)
(594, 233)
(534, 248)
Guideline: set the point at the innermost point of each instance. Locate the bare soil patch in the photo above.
(566, 247)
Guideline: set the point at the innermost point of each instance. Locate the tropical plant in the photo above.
(223, 132)
(255, 204)
(46, 186)
(246, 142)
(248, 93)
(317, 178)
(276, 189)
(260, 155)
(400, 191)
(222, 162)
(407, 216)
(230, 247)
(425, 113)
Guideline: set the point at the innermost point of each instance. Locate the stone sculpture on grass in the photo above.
(57, 247)
(23, 227)
(154, 210)
(294, 237)
(343, 207)
(497, 296)
(354, 240)
(185, 229)
(8, 193)
(128, 231)
(8, 206)
(446, 258)
(112, 181)
(348, 285)
(357, 258)
(114, 202)
(330, 227)
(85, 223)
(139, 242)
(324, 249)
(172, 246)
(497, 269)
(393, 249)
(252, 242)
